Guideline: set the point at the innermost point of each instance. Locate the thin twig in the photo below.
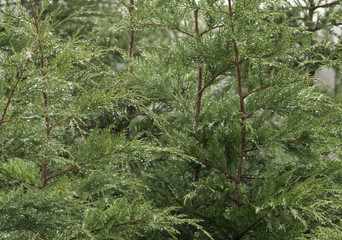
(238, 63)
(312, 8)
(250, 227)
(229, 197)
(230, 10)
(45, 179)
(20, 76)
(125, 4)
(131, 39)
(231, 61)
(78, 165)
(247, 58)
(251, 149)
(196, 21)
(242, 110)
(45, 95)
(217, 168)
(199, 95)
(255, 90)
(208, 30)
(213, 78)
(255, 223)
(18, 179)
(248, 115)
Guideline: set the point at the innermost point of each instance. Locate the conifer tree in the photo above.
(64, 160)
(232, 89)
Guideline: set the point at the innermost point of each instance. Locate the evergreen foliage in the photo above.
(155, 119)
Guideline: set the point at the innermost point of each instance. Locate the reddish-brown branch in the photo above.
(238, 63)
(316, 28)
(217, 168)
(242, 110)
(208, 30)
(230, 10)
(125, 4)
(196, 21)
(240, 236)
(199, 78)
(43, 73)
(229, 197)
(213, 78)
(131, 39)
(45, 95)
(231, 61)
(40, 45)
(220, 11)
(248, 115)
(251, 149)
(250, 227)
(255, 90)
(78, 165)
(199, 96)
(20, 180)
(129, 108)
(247, 58)
(13, 90)
(45, 179)
(335, 87)
(241, 154)
(312, 8)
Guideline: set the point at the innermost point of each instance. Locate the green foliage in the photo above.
(169, 120)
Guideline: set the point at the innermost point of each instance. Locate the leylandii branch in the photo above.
(43, 73)
(45, 95)
(111, 226)
(20, 180)
(47, 178)
(312, 8)
(20, 76)
(208, 30)
(213, 78)
(79, 165)
(131, 39)
(218, 168)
